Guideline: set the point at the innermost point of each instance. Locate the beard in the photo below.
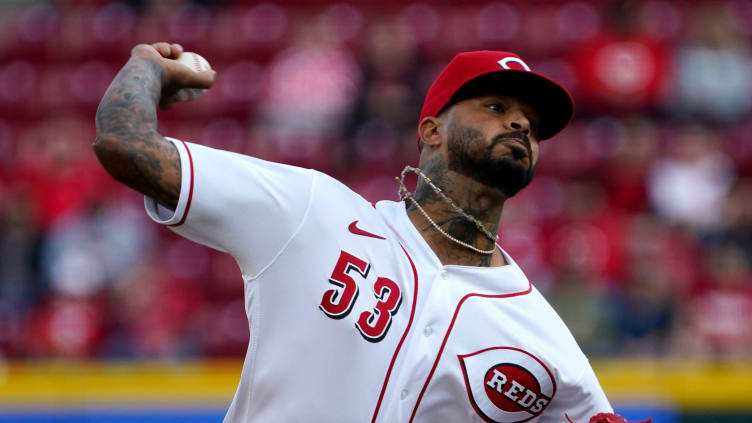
(469, 156)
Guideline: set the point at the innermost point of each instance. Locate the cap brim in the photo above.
(553, 103)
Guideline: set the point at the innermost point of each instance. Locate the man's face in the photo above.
(492, 139)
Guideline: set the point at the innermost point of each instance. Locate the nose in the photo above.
(517, 125)
(517, 121)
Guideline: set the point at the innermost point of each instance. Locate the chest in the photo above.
(475, 355)
(421, 342)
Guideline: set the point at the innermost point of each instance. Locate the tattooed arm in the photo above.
(127, 142)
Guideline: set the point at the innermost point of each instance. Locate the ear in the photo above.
(429, 131)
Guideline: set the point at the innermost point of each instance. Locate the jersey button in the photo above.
(403, 394)
(427, 331)
(444, 274)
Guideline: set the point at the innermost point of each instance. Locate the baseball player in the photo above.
(389, 312)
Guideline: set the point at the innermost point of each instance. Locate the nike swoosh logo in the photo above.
(357, 231)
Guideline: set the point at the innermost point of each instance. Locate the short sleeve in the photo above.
(245, 206)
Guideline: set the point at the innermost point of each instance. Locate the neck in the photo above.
(476, 199)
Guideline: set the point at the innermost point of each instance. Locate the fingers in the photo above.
(162, 48)
(170, 51)
(176, 75)
(143, 50)
(177, 49)
(166, 50)
(201, 80)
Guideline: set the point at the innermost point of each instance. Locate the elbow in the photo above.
(107, 150)
(101, 146)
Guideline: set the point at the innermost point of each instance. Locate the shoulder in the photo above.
(203, 158)
(331, 192)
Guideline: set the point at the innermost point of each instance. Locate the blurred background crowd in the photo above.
(638, 226)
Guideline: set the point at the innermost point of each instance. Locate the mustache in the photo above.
(519, 135)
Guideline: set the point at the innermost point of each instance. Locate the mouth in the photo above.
(518, 147)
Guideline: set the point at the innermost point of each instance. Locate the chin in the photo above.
(508, 175)
(511, 189)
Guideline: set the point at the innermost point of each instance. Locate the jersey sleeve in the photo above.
(241, 205)
(579, 401)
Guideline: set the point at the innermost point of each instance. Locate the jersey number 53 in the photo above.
(338, 302)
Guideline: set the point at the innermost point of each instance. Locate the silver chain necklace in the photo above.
(405, 194)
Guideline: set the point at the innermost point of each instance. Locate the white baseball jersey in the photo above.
(353, 317)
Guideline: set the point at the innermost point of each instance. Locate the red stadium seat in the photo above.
(36, 32)
(189, 25)
(18, 87)
(112, 30)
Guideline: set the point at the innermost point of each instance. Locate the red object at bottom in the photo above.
(609, 418)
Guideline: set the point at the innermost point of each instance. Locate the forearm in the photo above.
(127, 142)
(128, 109)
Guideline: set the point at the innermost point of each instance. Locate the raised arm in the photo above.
(127, 142)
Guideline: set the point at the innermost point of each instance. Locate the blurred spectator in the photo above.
(672, 251)
(86, 251)
(714, 69)
(634, 149)
(310, 86)
(624, 68)
(587, 235)
(688, 187)
(154, 313)
(583, 304)
(55, 166)
(738, 217)
(21, 284)
(644, 310)
(718, 319)
(382, 120)
(20, 275)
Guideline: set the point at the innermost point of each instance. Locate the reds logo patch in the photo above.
(506, 384)
(518, 63)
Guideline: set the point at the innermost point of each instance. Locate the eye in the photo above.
(534, 126)
(496, 107)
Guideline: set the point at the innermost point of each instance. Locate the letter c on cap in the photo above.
(503, 62)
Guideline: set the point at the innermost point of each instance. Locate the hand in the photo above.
(175, 76)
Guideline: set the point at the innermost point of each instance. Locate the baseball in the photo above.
(197, 64)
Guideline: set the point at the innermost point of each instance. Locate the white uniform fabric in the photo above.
(354, 319)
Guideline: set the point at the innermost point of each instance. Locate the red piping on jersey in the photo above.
(404, 335)
(190, 189)
(449, 331)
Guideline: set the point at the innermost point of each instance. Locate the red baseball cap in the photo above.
(503, 72)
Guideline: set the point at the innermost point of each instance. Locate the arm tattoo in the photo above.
(128, 144)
